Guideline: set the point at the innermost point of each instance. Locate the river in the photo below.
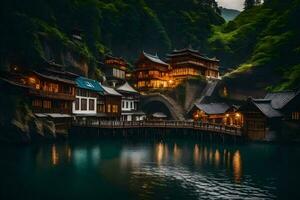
(173, 169)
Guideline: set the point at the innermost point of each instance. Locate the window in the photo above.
(108, 108)
(295, 115)
(123, 104)
(83, 104)
(115, 108)
(132, 105)
(47, 104)
(37, 103)
(101, 108)
(126, 104)
(91, 104)
(77, 104)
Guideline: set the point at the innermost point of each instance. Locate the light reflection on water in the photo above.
(157, 170)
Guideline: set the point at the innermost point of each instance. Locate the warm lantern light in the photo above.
(32, 80)
(227, 115)
(237, 115)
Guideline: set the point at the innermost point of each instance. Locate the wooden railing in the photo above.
(217, 128)
(53, 95)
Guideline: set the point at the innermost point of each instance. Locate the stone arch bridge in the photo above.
(157, 102)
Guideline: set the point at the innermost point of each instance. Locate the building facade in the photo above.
(130, 103)
(115, 70)
(260, 120)
(152, 73)
(110, 103)
(87, 92)
(189, 62)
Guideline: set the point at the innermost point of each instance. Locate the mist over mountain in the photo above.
(229, 14)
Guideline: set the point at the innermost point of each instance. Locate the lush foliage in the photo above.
(263, 38)
(125, 27)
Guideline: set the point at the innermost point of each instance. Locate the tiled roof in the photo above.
(281, 99)
(126, 88)
(213, 108)
(110, 91)
(88, 84)
(155, 59)
(264, 105)
(54, 78)
(190, 51)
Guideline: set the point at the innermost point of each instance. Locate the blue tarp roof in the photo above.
(89, 84)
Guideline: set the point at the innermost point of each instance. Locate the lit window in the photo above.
(108, 108)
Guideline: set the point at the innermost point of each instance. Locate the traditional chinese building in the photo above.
(287, 102)
(210, 112)
(233, 117)
(115, 70)
(218, 113)
(110, 103)
(260, 120)
(130, 103)
(87, 92)
(189, 62)
(51, 90)
(152, 73)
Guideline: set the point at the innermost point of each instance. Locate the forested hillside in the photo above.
(263, 45)
(41, 29)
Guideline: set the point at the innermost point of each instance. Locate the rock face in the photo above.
(18, 124)
(66, 57)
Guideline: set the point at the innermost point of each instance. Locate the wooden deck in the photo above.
(197, 126)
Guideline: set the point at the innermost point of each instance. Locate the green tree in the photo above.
(249, 4)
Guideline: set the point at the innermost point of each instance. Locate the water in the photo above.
(108, 169)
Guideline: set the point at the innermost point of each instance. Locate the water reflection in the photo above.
(54, 155)
(177, 153)
(192, 170)
(237, 166)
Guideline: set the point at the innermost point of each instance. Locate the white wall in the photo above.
(128, 105)
(87, 112)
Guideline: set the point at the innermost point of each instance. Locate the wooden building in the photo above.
(210, 112)
(189, 62)
(233, 117)
(288, 103)
(50, 93)
(115, 70)
(87, 92)
(109, 104)
(152, 73)
(130, 103)
(51, 90)
(260, 120)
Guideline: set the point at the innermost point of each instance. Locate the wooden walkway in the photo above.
(197, 126)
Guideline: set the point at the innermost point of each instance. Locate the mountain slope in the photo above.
(42, 29)
(264, 44)
(229, 14)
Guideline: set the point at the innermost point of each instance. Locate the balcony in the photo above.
(51, 95)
